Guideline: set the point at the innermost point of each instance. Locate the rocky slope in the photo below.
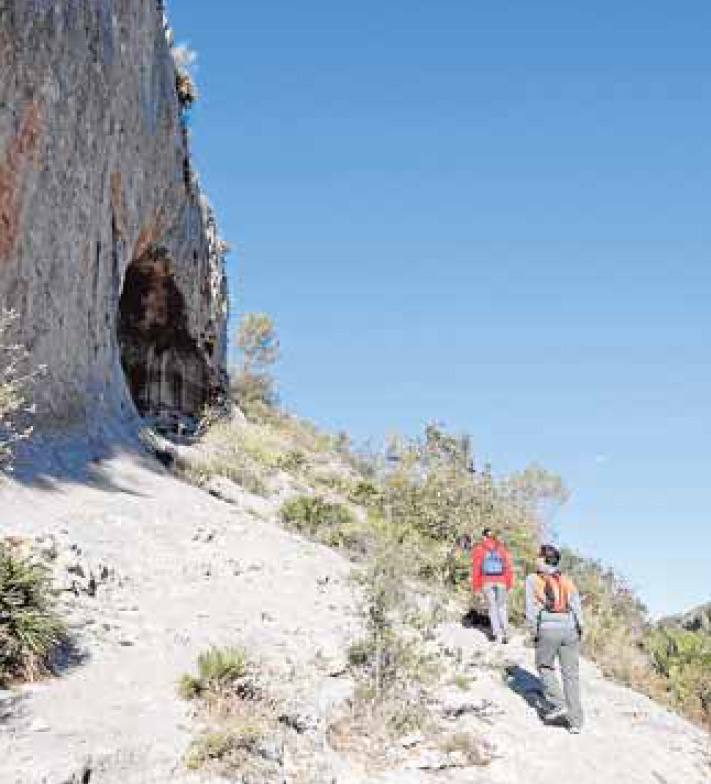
(108, 251)
(154, 570)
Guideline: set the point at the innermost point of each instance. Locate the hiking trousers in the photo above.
(496, 596)
(561, 643)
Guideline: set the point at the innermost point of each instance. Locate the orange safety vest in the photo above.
(553, 592)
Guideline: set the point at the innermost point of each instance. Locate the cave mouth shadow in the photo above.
(166, 370)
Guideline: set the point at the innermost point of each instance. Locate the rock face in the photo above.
(108, 251)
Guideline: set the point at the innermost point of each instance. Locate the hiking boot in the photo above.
(573, 730)
(556, 713)
(505, 639)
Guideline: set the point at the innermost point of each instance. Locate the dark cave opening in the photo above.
(165, 368)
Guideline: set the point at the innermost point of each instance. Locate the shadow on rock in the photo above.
(528, 686)
(67, 657)
(476, 618)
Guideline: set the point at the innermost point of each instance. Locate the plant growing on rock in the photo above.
(184, 60)
(15, 387)
(30, 629)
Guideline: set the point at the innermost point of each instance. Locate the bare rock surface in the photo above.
(176, 571)
(109, 252)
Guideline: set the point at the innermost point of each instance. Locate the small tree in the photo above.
(258, 344)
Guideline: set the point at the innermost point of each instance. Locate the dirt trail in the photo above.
(179, 570)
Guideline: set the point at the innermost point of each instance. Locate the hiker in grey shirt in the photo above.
(554, 615)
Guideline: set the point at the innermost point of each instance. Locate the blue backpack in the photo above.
(493, 564)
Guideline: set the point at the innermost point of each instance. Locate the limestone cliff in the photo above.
(108, 251)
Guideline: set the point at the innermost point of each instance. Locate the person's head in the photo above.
(464, 542)
(548, 556)
(487, 533)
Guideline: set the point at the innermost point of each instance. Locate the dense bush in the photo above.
(684, 659)
(30, 629)
(312, 514)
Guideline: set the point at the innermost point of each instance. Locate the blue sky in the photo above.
(492, 215)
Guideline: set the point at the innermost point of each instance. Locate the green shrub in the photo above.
(462, 682)
(684, 659)
(312, 514)
(30, 629)
(228, 747)
(366, 493)
(220, 670)
(292, 461)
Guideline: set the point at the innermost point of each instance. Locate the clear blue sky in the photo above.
(493, 215)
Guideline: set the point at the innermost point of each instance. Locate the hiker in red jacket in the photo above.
(492, 573)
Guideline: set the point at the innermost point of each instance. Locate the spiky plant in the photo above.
(219, 670)
(30, 629)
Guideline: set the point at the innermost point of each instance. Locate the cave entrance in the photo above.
(165, 369)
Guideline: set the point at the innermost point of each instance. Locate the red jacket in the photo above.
(479, 580)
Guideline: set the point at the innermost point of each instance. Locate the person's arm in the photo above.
(531, 604)
(508, 569)
(477, 554)
(576, 607)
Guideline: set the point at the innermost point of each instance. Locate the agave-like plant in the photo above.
(30, 629)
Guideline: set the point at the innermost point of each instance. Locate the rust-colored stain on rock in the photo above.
(150, 234)
(23, 148)
(118, 206)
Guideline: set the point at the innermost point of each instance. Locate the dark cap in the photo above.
(550, 554)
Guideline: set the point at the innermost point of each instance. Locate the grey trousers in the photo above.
(496, 596)
(560, 643)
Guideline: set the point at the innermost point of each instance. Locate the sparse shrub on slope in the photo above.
(239, 719)
(308, 514)
(389, 665)
(30, 629)
(330, 523)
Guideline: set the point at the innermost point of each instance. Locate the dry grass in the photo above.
(468, 749)
(242, 723)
